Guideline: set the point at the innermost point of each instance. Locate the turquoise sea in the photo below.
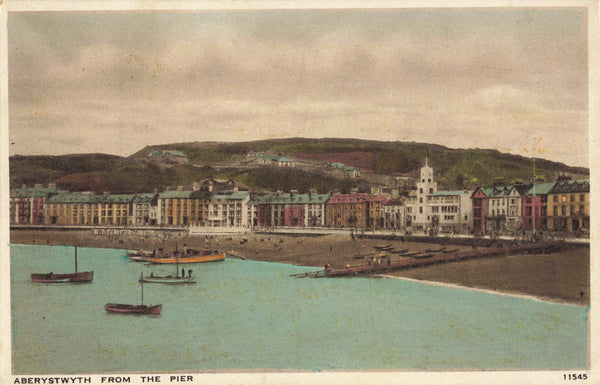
(248, 315)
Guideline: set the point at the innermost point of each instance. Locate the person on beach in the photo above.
(190, 273)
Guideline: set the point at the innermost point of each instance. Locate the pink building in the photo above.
(535, 206)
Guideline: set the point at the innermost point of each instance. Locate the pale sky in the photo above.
(116, 82)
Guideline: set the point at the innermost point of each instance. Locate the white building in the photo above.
(228, 209)
(451, 211)
(144, 210)
(417, 215)
(393, 214)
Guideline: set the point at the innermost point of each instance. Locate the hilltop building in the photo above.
(168, 157)
(340, 170)
(272, 160)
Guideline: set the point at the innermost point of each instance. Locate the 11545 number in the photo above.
(575, 376)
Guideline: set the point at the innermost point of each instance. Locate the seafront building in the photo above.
(287, 209)
(27, 205)
(214, 204)
(432, 211)
(144, 210)
(358, 210)
(569, 206)
(85, 208)
(227, 209)
(182, 207)
(393, 214)
(451, 211)
(535, 206)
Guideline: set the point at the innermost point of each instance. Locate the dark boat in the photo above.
(450, 251)
(435, 250)
(76, 277)
(403, 251)
(422, 256)
(134, 309)
(384, 247)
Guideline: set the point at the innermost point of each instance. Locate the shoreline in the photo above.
(483, 290)
(559, 277)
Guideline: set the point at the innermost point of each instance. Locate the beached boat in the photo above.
(76, 277)
(403, 251)
(134, 309)
(422, 256)
(384, 247)
(172, 259)
(435, 250)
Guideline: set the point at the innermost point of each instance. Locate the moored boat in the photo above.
(169, 279)
(76, 277)
(134, 309)
(83, 276)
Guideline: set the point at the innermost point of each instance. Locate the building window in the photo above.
(582, 198)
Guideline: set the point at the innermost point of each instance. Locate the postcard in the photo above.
(278, 192)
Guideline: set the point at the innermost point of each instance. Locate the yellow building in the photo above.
(355, 210)
(569, 206)
(89, 209)
(182, 208)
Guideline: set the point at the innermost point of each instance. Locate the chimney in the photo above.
(195, 186)
(180, 188)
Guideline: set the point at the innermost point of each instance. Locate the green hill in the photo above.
(455, 168)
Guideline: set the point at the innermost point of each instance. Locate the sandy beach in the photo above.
(561, 277)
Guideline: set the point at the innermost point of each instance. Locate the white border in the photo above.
(412, 377)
